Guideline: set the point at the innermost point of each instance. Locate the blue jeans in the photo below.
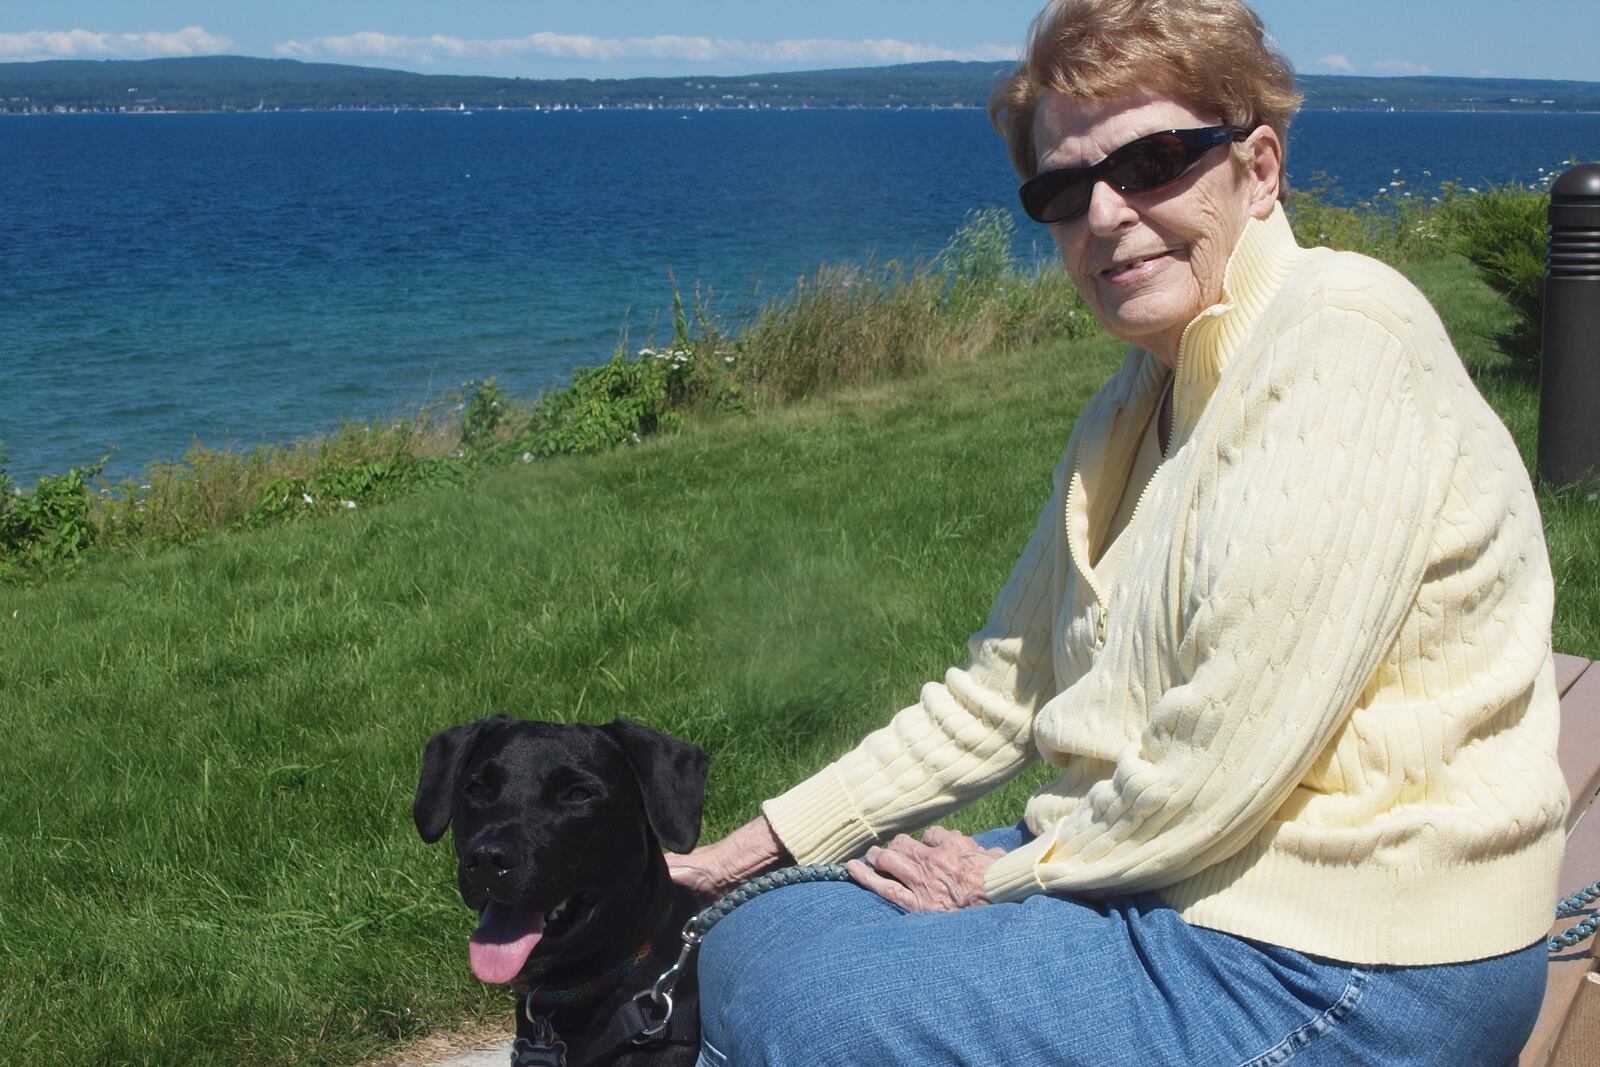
(829, 973)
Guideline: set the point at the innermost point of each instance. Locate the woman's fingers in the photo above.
(894, 892)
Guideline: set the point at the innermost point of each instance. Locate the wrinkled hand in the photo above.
(701, 872)
(942, 872)
(711, 871)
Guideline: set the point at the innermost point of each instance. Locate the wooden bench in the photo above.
(1568, 1031)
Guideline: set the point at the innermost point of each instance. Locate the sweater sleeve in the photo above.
(963, 738)
(1307, 540)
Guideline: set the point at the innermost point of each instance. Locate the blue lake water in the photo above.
(250, 278)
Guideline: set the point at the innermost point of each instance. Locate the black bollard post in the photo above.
(1569, 385)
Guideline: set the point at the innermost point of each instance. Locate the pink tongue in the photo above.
(503, 941)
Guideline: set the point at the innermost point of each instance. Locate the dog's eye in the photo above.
(577, 794)
(474, 790)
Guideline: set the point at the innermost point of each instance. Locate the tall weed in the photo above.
(852, 324)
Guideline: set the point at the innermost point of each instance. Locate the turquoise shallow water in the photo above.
(250, 278)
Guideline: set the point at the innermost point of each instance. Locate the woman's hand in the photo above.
(710, 871)
(942, 872)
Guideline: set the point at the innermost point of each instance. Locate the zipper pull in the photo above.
(1100, 627)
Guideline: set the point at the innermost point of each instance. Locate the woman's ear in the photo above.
(1264, 170)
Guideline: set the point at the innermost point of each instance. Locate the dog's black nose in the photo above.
(489, 858)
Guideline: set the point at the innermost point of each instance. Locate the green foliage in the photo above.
(852, 325)
(349, 487)
(1398, 224)
(976, 260)
(615, 403)
(1504, 233)
(47, 529)
(485, 410)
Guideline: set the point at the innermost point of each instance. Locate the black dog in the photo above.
(558, 832)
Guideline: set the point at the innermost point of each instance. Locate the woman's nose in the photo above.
(1109, 208)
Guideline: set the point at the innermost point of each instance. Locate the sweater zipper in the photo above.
(1166, 452)
(1077, 561)
(1138, 506)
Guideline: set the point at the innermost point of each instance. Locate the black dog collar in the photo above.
(540, 997)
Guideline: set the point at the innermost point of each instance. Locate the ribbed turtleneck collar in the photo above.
(1262, 261)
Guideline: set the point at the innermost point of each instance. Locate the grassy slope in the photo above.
(210, 753)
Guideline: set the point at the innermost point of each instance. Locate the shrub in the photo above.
(48, 528)
(1503, 233)
(617, 402)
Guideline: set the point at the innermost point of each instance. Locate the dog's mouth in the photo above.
(507, 936)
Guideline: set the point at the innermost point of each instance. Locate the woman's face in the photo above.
(1148, 263)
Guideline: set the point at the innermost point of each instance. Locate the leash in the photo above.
(694, 931)
(647, 1017)
(1574, 905)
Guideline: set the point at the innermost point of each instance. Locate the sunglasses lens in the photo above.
(1055, 196)
(1149, 163)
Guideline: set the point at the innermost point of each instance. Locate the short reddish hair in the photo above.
(1211, 54)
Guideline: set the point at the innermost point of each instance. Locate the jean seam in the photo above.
(1303, 1035)
(709, 1053)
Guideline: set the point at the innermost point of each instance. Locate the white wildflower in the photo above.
(527, 457)
(350, 505)
(307, 498)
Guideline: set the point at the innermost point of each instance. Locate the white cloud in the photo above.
(372, 45)
(1336, 62)
(1401, 66)
(77, 44)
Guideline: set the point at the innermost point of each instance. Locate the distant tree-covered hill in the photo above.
(242, 83)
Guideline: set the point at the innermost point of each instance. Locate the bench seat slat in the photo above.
(1579, 749)
(1568, 669)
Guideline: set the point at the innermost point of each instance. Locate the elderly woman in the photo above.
(1283, 627)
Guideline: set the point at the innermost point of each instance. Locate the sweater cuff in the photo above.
(1013, 876)
(817, 822)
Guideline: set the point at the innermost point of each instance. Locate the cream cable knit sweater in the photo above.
(1315, 705)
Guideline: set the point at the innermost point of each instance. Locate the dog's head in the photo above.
(558, 831)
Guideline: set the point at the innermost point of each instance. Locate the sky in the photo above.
(635, 38)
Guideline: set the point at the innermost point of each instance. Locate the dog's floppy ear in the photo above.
(436, 788)
(672, 777)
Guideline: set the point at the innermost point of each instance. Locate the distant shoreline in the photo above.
(246, 83)
(686, 110)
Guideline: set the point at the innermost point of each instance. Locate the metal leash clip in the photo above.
(660, 991)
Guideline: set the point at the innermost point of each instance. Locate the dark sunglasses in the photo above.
(1141, 166)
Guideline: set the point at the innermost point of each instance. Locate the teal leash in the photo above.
(765, 883)
(694, 931)
(1573, 905)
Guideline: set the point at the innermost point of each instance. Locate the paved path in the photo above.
(481, 1048)
(497, 1054)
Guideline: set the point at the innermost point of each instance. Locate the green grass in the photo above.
(210, 751)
